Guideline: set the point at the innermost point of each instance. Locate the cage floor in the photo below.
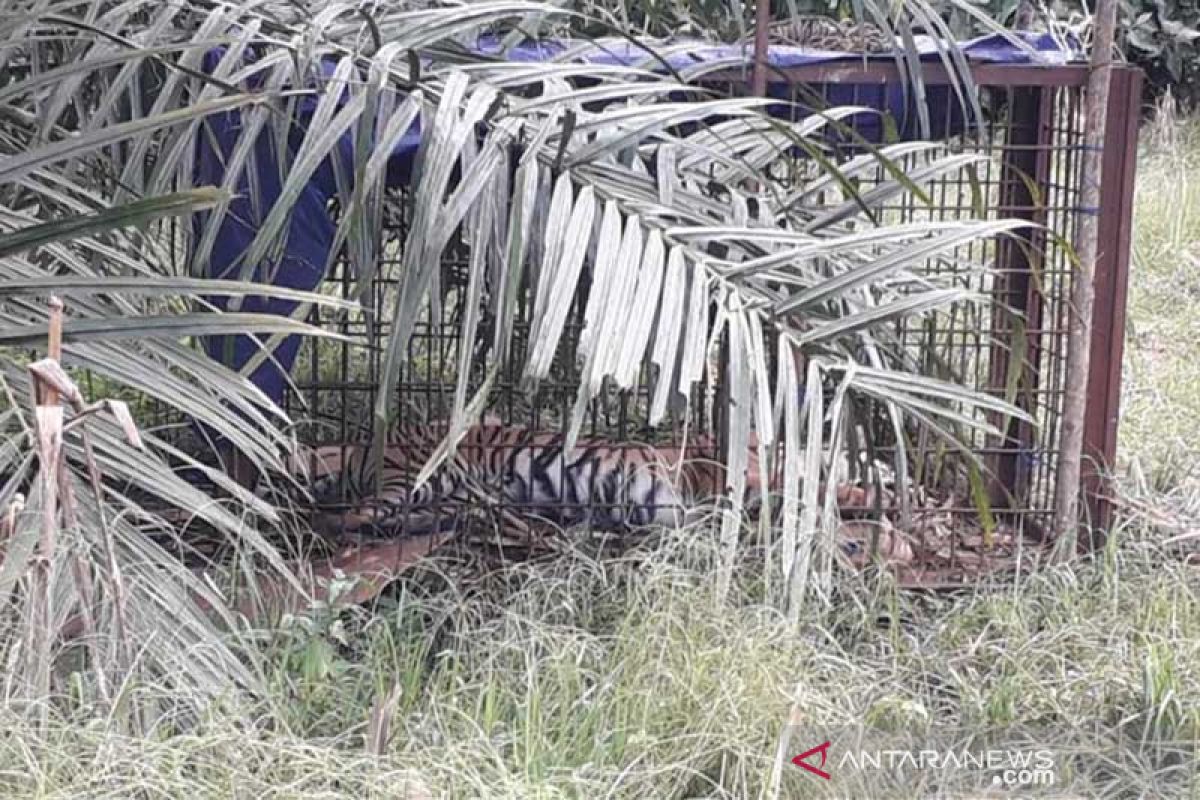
(959, 558)
(356, 571)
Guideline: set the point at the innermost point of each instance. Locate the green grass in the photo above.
(628, 678)
(1160, 424)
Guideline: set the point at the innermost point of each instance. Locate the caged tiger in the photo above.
(527, 477)
(598, 483)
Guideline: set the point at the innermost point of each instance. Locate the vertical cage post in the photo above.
(1111, 281)
(1024, 179)
(762, 20)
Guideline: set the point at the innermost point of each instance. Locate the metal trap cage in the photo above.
(336, 386)
(1013, 347)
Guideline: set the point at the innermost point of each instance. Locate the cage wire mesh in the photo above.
(1012, 347)
(337, 383)
(1015, 345)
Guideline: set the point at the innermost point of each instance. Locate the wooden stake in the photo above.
(49, 395)
(49, 421)
(1067, 499)
(762, 23)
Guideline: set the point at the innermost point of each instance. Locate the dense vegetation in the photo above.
(668, 672)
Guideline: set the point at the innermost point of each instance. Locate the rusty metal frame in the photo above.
(1025, 166)
(877, 71)
(1025, 170)
(1112, 282)
(1026, 177)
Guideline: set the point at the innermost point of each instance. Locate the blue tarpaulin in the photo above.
(1042, 49)
(301, 262)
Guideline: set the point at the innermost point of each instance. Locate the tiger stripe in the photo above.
(599, 483)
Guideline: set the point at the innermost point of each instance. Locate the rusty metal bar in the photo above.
(880, 72)
(1024, 175)
(762, 21)
(1112, 279)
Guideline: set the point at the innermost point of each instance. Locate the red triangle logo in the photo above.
(800, 760)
